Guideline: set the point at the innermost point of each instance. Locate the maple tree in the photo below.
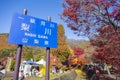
(100, 21)
(75, 59)
(107, 44)
(78, 51)
(84, 17)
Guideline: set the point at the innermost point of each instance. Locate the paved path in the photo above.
(102, 77)
(7, 76)
(107, 77)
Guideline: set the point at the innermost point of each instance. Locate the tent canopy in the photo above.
(41, 62)
(30, 63)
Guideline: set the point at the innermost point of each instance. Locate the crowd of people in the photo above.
(93, 71)
(30, 71)
(2, 70)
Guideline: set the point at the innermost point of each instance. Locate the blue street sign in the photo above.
(28, 30)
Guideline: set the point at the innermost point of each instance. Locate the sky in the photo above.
(36, 8)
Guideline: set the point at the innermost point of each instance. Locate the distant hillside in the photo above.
(36, 51)
(4, 42)
(10, 49)
(73, 42)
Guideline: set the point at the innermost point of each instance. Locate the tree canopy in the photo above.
(84, 17)
(62, 52)
(108, 45)
(100, 21)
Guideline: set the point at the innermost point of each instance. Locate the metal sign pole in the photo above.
(48, 58)
(47, 62)
(18, 57)
(17, 64)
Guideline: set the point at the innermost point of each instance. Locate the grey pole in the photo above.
(25, 11)
(18, 56)
(48, 58)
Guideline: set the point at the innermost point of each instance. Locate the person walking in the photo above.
(96, 75)
(21, 75)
